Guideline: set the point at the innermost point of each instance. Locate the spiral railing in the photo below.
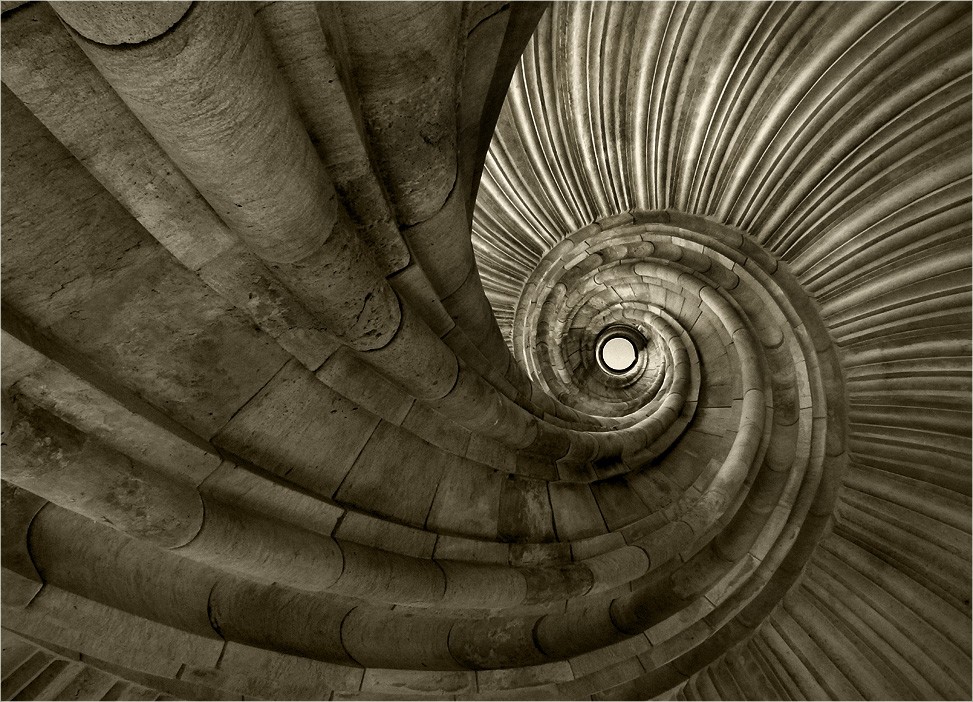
(276, 425)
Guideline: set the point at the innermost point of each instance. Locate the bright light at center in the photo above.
(618, 354)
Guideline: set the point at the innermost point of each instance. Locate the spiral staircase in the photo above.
(306, 319)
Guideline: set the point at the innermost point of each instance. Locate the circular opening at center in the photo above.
(619, 354)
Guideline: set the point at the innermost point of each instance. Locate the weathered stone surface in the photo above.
(250, 489)
(117, 23)
(349, 376)
(405, 76)
(301, 430)
(108, 633)
(525, 511)
(476, 487)
(21, 579)
(395, 475)
(116, 419)
(385, 535)
(284, 618)
(259, 672)
(167, 589)
(58, 462)
(275, 288)
(576, 513)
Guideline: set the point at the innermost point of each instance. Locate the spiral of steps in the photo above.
(310, 318)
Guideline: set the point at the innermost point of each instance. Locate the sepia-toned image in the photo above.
(461, 350)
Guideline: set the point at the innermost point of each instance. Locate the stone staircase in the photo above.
(32, 672)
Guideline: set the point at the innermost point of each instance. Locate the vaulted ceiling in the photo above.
(303, 315)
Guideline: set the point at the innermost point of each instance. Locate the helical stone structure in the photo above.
(730, 423)
(763, 202)
(486, 350)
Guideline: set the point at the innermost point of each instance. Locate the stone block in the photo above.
(395, 475)
(299, 429)
(385, 535)
(467, 500)
(348, 375)
(525, 511)
(263, 673)
(619, 504)
(437, 429)
(576, 513)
